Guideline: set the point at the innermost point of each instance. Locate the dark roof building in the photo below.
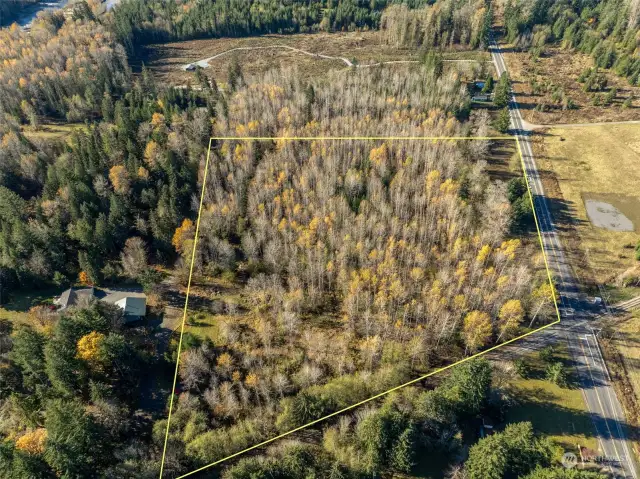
(133, 303)
(74, 297)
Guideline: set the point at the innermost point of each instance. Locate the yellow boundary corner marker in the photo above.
(384, 393)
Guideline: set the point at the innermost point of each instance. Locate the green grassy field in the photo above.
(16, 310)
(616, 295)
(559, 413)
(204, 325)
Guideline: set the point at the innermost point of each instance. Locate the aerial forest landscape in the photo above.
(231, 230)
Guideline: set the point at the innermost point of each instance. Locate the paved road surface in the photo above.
(628, 305)
(576, 312)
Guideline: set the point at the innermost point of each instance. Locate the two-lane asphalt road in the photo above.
(599, 395)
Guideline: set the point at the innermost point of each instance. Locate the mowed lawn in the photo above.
(601, 163)
(16, 310)
(558, 413)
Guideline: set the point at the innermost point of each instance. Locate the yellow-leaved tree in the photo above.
(509, 318)
(33, 442)
(119, 179)
(157, 120)
(83, 277)
(543, 295)
(225, 362)
(151, 153)
(89, 345)
(183, 234)
(476, 330)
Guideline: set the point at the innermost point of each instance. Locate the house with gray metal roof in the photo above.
(133, 302)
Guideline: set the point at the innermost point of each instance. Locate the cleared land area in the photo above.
(581, 165)
(50, 130)
(558, 71)
(166, 60)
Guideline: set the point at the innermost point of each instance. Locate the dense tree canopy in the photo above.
(142, 21)
(59, 68)
(442, 24)
(80, 383)
(357, 264)
(126, 178)
(608, 30)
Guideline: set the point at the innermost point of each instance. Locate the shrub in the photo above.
(547, 354)
(522, 368)
(302, 409)
(556, 374)
(221, 442)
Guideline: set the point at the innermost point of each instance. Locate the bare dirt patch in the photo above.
(561, 68)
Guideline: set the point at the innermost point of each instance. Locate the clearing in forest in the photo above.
(551, 88)
(167, 60)
(330, 272)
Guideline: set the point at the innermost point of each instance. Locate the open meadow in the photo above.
(585, 169)
(256, 55)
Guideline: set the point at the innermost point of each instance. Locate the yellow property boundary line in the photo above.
(355, 138)
(384, 393)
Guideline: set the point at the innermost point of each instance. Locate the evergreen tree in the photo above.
(502, 89)
(108, 108)
(502, 122)
(28, 354)
(514, 452)
(89, 264)
(403, 452)
(73, 446)
(488, 85)
(235, 77)
(556, 373)
(468, 386)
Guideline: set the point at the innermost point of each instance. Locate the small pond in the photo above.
(611, 211)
